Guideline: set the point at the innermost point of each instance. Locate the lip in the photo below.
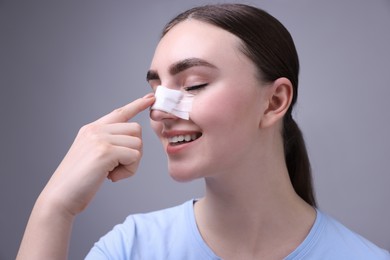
(178, 148)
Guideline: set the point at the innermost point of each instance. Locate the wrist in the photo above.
(50, 206)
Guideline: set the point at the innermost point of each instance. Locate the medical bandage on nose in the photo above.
(173, 101)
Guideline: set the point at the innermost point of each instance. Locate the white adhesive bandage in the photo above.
(173, 101)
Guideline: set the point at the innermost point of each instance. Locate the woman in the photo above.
(240, 66)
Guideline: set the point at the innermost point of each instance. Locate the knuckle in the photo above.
(135, 126)
(102, 149)
(88, 129)
(92, 134)
(120, 113)
(118, 110)
(138, 143)
(136, 129)
(137, 155)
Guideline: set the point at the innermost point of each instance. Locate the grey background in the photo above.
(65, 63)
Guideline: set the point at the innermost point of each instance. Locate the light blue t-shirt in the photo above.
(172, 234)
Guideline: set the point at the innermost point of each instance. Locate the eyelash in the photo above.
(194, 88)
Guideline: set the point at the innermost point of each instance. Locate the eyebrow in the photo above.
(180, 66)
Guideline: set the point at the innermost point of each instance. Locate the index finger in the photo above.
(127, 112)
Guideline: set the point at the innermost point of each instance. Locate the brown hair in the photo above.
(270, 46)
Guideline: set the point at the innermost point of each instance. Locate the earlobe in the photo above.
(279, 99)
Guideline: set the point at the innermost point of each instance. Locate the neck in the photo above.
(255, 209)
(254, 197)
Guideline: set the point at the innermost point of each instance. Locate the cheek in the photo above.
(219, 106)
(203, 112)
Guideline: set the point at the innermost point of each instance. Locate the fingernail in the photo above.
(149, 95)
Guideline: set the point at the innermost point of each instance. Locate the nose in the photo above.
(159, 115)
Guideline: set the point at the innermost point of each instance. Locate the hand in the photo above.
(110, 147)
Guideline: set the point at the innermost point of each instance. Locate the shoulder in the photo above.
(344, 239)
(332, 240)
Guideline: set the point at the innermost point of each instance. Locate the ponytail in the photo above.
(297, 160)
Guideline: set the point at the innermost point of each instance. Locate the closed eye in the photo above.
(196, 87)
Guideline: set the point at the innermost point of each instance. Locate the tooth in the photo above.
(181, 138)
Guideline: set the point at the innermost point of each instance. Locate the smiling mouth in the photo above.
(182, 139)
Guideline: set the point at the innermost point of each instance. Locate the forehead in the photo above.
(193, 38)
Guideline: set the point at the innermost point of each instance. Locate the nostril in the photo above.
(157, 115)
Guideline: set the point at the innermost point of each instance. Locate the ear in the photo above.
(279, 99)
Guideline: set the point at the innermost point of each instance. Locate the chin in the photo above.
(182, 175)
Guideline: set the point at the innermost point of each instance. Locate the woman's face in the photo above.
(227, 107)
